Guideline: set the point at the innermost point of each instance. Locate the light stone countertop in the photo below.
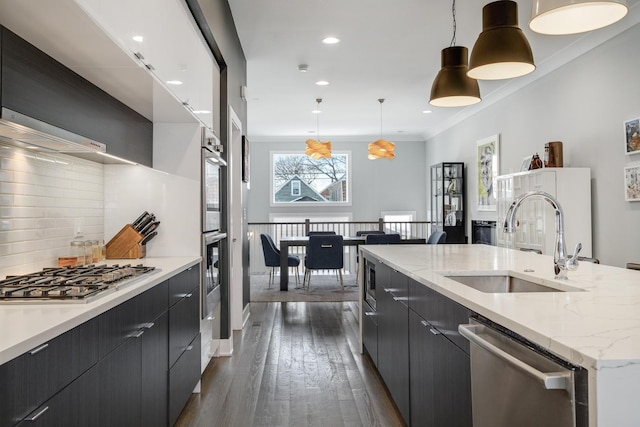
(596, 324)
(24, 326)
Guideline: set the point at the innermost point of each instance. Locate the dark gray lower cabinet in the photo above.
(183, 377)
(155, 374)
(75, 405)
(451, 384)
(120, 382)
(27, 381)
(370, 332)
(421, 357)
(393, 335)
(421, 366)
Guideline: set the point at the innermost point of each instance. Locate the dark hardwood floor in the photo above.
(294, 364)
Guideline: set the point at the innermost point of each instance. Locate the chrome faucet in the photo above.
(562, 263)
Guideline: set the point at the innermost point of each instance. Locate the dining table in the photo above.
(289, 241)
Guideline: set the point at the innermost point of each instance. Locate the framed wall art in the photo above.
(632, 136)
(632, 183)
(488, 160)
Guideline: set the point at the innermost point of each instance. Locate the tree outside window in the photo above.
(297, 179)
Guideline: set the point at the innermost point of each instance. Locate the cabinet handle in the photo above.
(397, 298)
(424, 323)
(369, 313)
(137, 334)
(149, 325)
(387, 290)
(189, 348)
(188, 295)
(435, 331)
(39, 349)
(38, 415)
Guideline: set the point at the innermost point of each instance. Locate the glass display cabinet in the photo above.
(447, 201)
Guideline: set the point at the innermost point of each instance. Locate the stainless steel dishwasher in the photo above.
(516, 383)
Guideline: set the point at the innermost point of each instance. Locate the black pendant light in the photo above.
(502, 51)
(452, 87)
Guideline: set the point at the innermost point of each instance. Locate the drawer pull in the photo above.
(188, 295)
(38, 415)
(189, 348)
(397, 298)
(138, 334)
(387, 290)
(435, 331)
(369, 313)
(149, 325)
(39, 349)
(424, 323)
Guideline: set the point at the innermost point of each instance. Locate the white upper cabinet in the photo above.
(163, 37)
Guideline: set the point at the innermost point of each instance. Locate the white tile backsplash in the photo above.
(42, 197)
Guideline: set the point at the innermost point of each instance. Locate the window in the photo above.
(295, 187)
(298, 179)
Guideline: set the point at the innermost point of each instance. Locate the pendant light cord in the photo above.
(318, 101)
(381, 100)
(453, 13)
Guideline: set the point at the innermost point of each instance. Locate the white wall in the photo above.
(584, 105)
(44, 200)
(377, 185)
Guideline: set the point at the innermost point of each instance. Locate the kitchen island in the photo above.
(594, 323)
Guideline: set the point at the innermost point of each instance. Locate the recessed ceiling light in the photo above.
(330, 40)
(303, 68)
(316, 111)
(174, 82)
(311, 131)
(322, 82)
(201, 111)
(138, 39)
(427, 111)
(400, 131)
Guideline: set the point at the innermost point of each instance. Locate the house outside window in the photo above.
(297, 179)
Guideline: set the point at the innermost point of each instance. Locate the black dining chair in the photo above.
(272, 258)
(324, 252)
(321, 233)
(437, 237)
(382, 239)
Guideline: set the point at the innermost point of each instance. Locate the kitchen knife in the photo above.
(140, 218)
(146, 221)
(148, 237)
(149, 228)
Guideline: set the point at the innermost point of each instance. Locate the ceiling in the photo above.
(388, 50)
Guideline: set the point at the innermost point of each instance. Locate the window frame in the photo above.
(273, 203)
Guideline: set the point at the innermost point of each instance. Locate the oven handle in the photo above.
(550, 381)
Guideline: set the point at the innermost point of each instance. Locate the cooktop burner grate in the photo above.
(69, 283)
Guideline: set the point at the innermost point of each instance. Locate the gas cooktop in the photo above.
(69, 284)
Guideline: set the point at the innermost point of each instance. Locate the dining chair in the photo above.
(324, 252)
(437, 237)
(382, 239)
(321, 233)
(272, 258)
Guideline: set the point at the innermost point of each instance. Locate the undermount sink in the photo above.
(502, 284)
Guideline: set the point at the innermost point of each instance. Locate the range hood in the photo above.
(33, 134)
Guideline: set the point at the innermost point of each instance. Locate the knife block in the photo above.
(126, 244)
